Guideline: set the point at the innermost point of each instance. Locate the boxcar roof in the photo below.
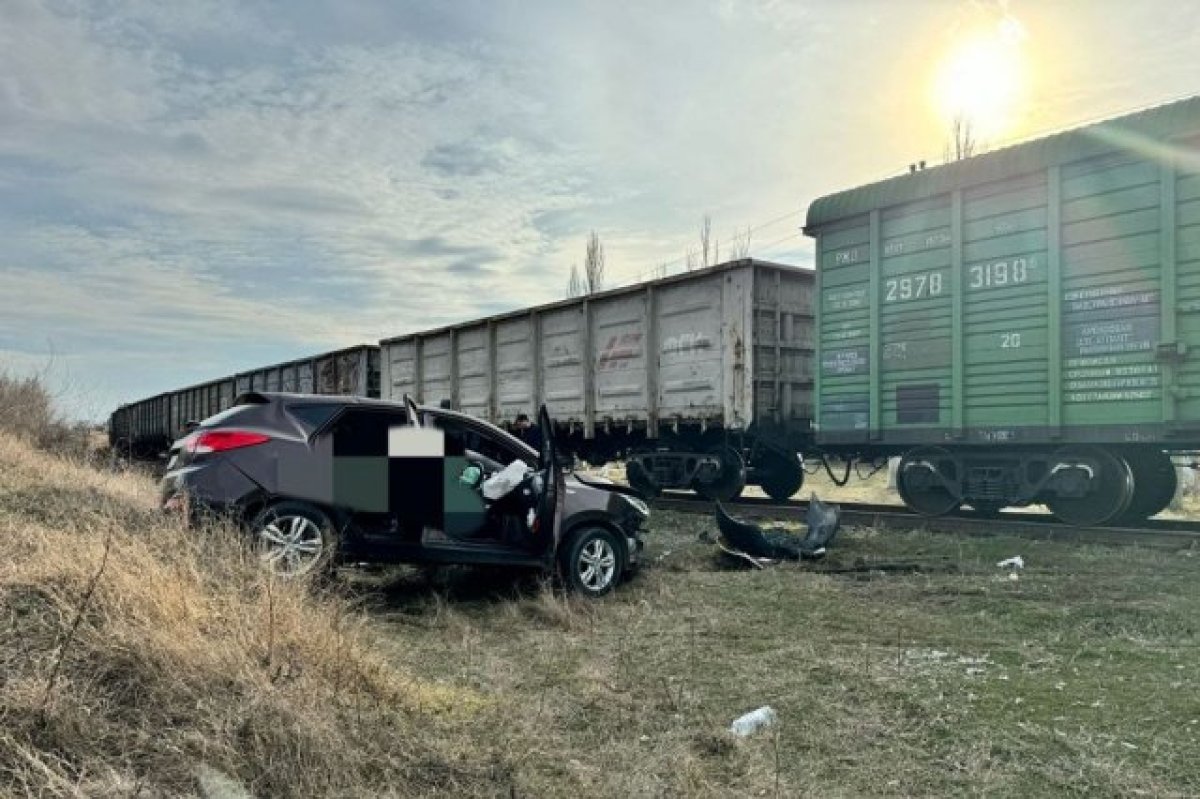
(296, 361)
(235, 375)
(1141, 130)
(632, 288)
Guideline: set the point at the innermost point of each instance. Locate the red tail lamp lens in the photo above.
(223, 440)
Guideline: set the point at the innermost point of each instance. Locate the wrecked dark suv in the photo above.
(317, 479)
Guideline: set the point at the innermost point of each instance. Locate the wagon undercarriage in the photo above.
(1083, 485)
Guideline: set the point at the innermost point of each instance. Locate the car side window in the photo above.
(363, 432)
(475, 440)
(313, 416)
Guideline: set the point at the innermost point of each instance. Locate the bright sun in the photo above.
(983, 80)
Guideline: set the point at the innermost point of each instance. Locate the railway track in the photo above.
(1155, 532)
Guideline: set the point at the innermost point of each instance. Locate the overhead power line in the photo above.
(641, 275)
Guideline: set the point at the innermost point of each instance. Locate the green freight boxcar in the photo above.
(1023, 326)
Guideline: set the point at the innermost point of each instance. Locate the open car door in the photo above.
(549, 510)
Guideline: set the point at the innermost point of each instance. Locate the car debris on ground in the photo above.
(753, 721)
(764, 546)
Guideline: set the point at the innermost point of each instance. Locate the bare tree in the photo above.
(963, 143)
(741, 245)
(706, 249)
(593, 265)
(575, 287)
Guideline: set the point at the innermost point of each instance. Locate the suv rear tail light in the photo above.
(205, 441)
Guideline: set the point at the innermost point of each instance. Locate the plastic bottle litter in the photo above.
(753, 721)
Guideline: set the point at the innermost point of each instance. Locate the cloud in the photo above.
(292, 199)
(189, 190)
(224, 182)
(462, 159)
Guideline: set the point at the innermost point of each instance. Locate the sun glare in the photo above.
(982, 81)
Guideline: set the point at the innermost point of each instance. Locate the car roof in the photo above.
(370, 402)
(263, 397)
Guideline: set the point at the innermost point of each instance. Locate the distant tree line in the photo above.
(592, 278)
(706, 253)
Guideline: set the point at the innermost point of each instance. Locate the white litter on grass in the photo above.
(754, 720)
(1015, 562)
(983, 660)
(215, 784)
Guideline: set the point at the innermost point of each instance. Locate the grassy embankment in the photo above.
(138, 657)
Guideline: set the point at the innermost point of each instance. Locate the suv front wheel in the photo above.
(294, 539)
(593, 562)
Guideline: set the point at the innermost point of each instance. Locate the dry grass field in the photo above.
(141, 659)
(907, 664)
(138, 658)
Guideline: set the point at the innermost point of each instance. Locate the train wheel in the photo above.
(782, 475)
(731, 480)
(640, 481)
(919, 483)
(1105, 494)
(1154, 483)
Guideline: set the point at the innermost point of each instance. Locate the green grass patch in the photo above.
(904, 664)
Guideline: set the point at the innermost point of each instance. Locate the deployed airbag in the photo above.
(503, 482)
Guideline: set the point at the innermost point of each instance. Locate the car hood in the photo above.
(604, 484)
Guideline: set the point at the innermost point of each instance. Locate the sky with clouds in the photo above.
(192, 189)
